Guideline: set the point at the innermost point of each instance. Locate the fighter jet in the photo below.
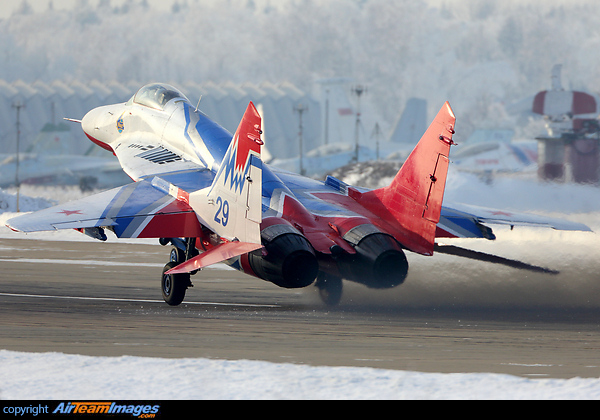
(208, 194)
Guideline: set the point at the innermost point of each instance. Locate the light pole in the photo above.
(358, 90)
(376, 134)
(18, 105)
(327, 117)
(300, 109)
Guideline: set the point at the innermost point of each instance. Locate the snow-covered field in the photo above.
(73, 377)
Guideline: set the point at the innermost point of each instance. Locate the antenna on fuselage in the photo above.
(197, 106)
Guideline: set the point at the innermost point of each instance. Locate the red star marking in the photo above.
(70, 212)
(501, 213)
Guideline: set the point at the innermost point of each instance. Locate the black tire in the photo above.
(177, 255)
(330, 289)
(174, 286)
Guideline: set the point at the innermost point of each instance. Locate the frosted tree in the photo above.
(24, 8)
(474, 53)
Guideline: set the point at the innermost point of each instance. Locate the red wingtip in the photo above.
(11, 228)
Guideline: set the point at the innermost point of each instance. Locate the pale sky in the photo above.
(8, 6)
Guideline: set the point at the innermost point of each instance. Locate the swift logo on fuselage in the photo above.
(120, 124)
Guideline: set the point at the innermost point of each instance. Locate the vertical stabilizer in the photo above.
(412, 123)
(414, 199)
(231, 206)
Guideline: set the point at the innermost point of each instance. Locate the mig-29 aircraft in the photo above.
(208, 194)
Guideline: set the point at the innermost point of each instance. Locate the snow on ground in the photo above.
(72, 377)
(521, 194)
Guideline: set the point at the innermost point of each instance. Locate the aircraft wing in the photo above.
(466, 221)
(151, 208)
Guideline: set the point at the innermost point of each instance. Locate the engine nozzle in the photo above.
(379, 262)
(289, 261)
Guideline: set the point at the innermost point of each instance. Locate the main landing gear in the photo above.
(330, 288)
(174, 286)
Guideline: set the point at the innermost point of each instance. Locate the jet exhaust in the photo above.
(288, 260)
(379, 262)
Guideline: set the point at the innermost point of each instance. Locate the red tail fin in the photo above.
(414, 199)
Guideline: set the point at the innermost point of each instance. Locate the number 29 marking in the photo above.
(222, 215)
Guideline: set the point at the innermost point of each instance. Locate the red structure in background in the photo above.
(570, 152)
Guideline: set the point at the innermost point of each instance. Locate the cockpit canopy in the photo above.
(157, 95)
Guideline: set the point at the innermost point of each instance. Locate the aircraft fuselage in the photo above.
(315, 228)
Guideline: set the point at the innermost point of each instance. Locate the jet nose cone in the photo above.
(88, 122)
(91, 125)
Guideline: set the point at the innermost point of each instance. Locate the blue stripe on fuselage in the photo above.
(215, 138)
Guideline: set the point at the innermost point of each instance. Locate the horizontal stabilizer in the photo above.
(501, 217)
(216, 255)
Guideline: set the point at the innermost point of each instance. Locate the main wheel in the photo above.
(174, 286)
(330, 288)
(177, 255)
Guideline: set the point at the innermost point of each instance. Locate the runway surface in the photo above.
(103, 299)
